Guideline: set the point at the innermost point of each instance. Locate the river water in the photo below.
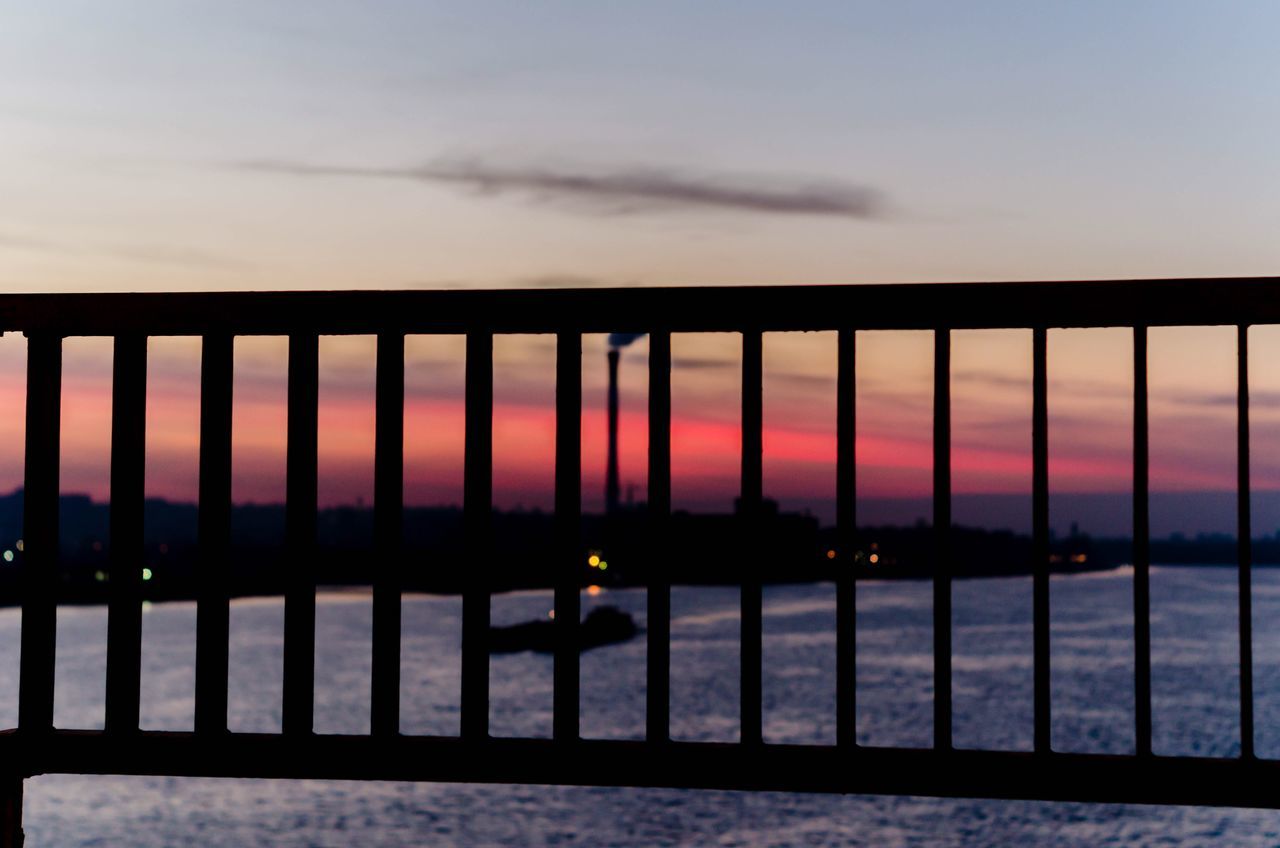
(1194, 680)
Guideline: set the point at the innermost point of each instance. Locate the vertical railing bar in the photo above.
(124, 612)
(568, 529)
(1040, 536)
(749, 510)
(300, 535)
(213, 602)
(388, 517)
(658, 684)
(846, 535)
(477, 519)
(1141, 549)
(1244, 541)
(942, 539)
(40, 533)
(11, 832)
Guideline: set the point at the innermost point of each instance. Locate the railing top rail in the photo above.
(1084, 303)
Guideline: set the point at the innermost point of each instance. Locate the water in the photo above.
(1194, 682)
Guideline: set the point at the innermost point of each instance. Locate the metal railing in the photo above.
(36, 746)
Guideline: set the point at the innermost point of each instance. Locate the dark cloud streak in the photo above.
(625, 191)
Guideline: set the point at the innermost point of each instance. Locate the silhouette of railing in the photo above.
(36, 746)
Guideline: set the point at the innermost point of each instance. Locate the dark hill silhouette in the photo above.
(702, 549)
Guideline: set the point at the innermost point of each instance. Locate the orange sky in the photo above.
(1192, 374)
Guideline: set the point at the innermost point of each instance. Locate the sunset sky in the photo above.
(286, 145)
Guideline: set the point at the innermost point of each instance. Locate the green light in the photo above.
(100, 576)
(8, 556)
(146, 574)
(603, 565)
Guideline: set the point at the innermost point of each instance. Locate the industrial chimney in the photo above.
(611, 472)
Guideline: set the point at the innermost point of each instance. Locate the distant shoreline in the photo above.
(361, 591)
(436, 553)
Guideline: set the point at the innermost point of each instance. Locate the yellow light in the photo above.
(831, 554)
(593, 590)
(875, 558)
(593, 560)
(603, 565)
(19, 546)
(146, 574)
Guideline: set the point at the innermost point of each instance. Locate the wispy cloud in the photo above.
(1072, 387)
(1269, 399)
(176, 257)
(622, 191)
(695, 363)
(797, 378)
(568, 281)
(991, 378)
(146, 254)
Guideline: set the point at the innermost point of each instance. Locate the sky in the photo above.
(172, 146)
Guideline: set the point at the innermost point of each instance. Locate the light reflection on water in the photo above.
(1194, 684)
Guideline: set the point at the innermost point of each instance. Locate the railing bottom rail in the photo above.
(1006, 775)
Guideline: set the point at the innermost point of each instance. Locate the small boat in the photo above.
(602, 626)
